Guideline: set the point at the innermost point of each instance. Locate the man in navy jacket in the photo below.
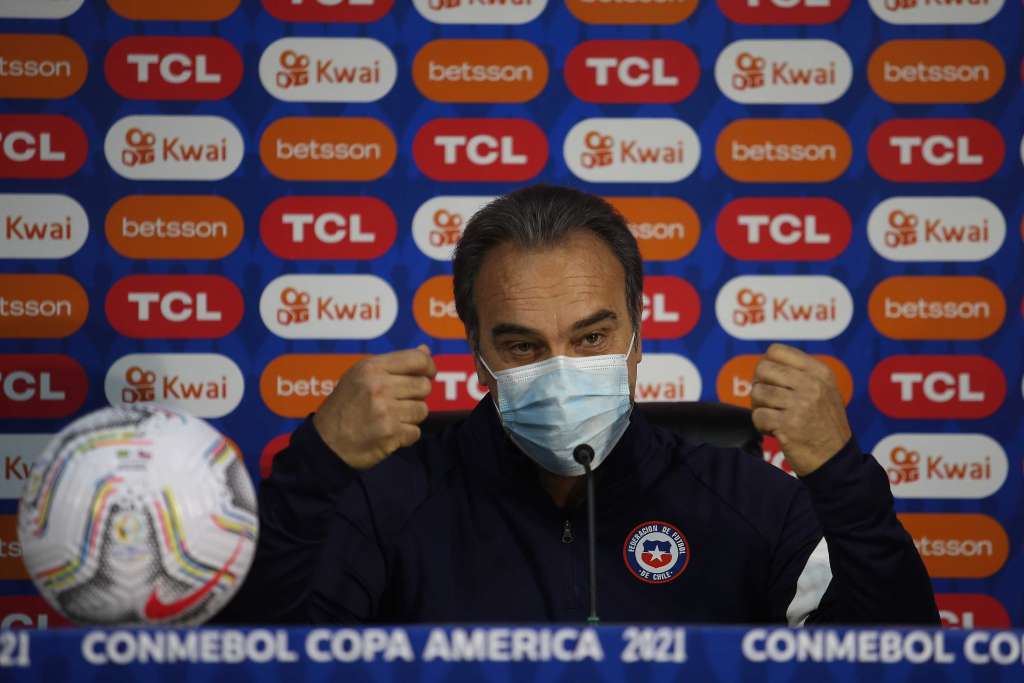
(365, 520)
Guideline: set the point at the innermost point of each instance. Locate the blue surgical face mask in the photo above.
(550, 407)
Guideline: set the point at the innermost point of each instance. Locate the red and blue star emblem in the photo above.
(656, 552)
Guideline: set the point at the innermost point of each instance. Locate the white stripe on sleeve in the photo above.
(810, 586)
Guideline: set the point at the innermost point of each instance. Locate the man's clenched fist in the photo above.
(376, 407)
(795, 399)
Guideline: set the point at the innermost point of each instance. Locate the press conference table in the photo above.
(513, 653)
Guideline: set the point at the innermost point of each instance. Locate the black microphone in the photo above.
(584, 455)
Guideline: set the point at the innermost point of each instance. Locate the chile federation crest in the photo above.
(656, 552)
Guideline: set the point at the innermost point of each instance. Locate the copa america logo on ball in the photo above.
(656, 552)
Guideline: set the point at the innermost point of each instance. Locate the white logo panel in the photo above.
(328, 306)
(41, 226)
(942, 465)
(936, 229)
(779, 307)
(174, 147)
(624, 150)
(667, 377)
(201, 384)
(328, 69)
(439, 222)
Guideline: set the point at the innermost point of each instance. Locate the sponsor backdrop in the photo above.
(223, 204)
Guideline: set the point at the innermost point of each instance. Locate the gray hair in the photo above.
(537, 217)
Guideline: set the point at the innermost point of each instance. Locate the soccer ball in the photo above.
(138, 515)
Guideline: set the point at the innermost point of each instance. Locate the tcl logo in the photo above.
(462, 12)
(784, 229)
(958, 546)
(937, 387)
(40, 146)
(784, 11)
(942, 465)
(937, 307)
(174, 147)
(433, 307)
(936, 150)
(328, 11)
(174, 306)
(918, 12)
(939, 228)
(771, 450)
(334, 227)
(783, 71)
(784, 307)
(41, 385)
(624, 71)
(671, 307)
(480, 149)
(736, 378)
(625, 150)
(971, 610)
(439, 222)
(455, 384)
(328, 306)
(201, 384)
(294, 385)
(29, 611)
(169, 68)
(667, 377)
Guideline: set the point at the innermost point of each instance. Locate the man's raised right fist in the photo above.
(377, 406)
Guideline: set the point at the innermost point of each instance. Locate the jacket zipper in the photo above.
(567, 536)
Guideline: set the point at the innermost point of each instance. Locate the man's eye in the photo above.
(593, 339)
(520, 348)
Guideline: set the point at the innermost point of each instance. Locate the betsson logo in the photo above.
(671, 307)
(783, 71)
(40, 66)
(480, 71)
(18, 452)
(328, 11)
(665, 228)
(935, 71)
(41, 306)
(480, 149)
(736, 378)
(333, 227)
(174, 226)
(41, 385)
(174, 147)
(936, 150)
(202, 384)
(942, 465)
(971, 610)
(627, 71)
(294, 385)
(937, 307)
(936, 228)
(11, 564)
(783, 150)
(784, 307)
(469, 12)
(41, 226)
(439, 222)
(433, 307)
(174, 306)
(913, 12)
(626, 150)
(784, 11)
(958, 546)
(631, 11)
(33, 9)
(169, 68)
(178, 10)
(328, 69)
(784, 229)
(328, 306)
(40, 146)
(937, 387)
(666, 377)
(327, 148)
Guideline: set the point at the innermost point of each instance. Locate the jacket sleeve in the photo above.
(843, 556)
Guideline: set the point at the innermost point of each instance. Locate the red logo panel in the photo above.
(40, 146)
(319, 11)
(41, 385)
(480, 149)
(936, 150)
(356, 228)
(455, 385)
(784, 11)
(169, 68)
(174, 306)
(620, 71)
(784, 229)
(971, 610)
(671, 307)
(937, 387)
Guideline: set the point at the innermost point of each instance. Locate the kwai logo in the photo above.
(937, 387)
(456, 385)
(626, 71)
(41, 226)
(671, 307)
(784, 11)
(627, 150)
(783, 71)
(736, 378)
(971, 610)
(439, 222)
(18, 453)
(169, 68)
(202, 384)
(783, 150)
(936, 150)
(925, 12)
(942, 465)
(174, 226)
(295, 384)
(174, 147)
(328, 11)
(33, 9)
(958, 546)
(480, 70)
(40, 66)
(784, 307)
(937, 307)
(328, 69)
(41, 306)
(41, 385)
(328, 306)
(433, 307)
(480, 149)
(475, 12)
(327, 148)
(40, 146)
(666, 377)
(936, 229)
(178, 10)
(174, 306)
(934, 71)
(334, 227)
(784, 229)
(631, 11)
(665, 228)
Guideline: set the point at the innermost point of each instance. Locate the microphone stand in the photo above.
(584, 455)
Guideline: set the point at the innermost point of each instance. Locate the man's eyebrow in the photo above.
(599, 317)
(510, 328)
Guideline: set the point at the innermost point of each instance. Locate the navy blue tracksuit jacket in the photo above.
(458, 529)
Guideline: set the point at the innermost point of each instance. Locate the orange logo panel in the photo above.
(433, 307)
(937, 307)
(174, 10)
(953, 546)
(934, 71)
(666, 228)
(41, 66)
(174, 227)
(327, 148)
(735, 378)
(295, 385)
(11, 564)
(45, 306)
(631, 12)
(783, 150)
(480, 71)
